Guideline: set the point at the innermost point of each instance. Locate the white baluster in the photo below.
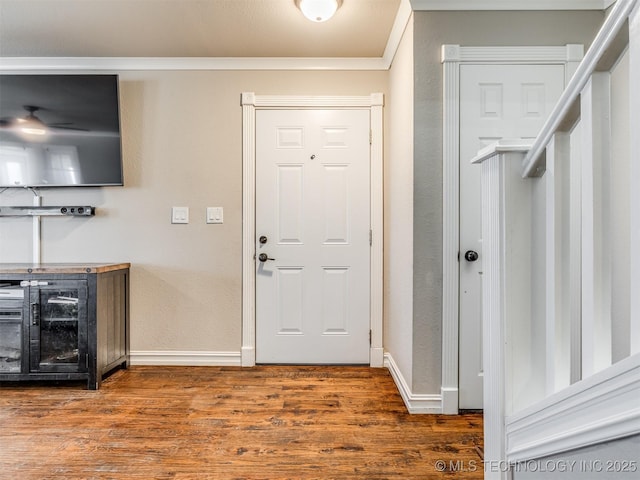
(558, 334)
(596, 245)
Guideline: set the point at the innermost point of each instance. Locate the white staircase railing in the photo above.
(561, 283)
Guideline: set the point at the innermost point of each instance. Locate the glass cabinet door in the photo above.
(59, 326)
(11, 325)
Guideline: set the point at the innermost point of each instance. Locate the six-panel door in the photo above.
(312, 236)
(496, 101)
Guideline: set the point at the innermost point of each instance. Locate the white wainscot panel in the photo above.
(290, 137)
(290, 198)
(533, 100)
(335, 284)
(336, 204)
(334, 137)
(491, 98)
(289, 294)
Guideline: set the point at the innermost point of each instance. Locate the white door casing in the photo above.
(312, 229)
(252, 103)
(496, 101)
(453, 57)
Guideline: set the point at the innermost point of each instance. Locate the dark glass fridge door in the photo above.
(11, 328)
(59, 326)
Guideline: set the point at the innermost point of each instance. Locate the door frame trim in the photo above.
(250, 103)
(453, 56)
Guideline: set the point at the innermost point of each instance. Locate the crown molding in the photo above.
(419, 5)
(397, 31)
(8, 64)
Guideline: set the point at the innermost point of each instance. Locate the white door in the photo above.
(496, 101)
(312, 231)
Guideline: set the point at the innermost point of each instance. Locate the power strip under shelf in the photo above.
(64, 210)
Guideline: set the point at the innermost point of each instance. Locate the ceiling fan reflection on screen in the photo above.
(32, 125)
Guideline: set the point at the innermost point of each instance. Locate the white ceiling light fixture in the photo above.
(318, 10)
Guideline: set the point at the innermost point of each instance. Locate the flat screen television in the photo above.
(59, 131)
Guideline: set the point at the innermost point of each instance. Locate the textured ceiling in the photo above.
(190, 28)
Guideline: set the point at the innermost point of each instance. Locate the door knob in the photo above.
(263, 257)
(471, 256)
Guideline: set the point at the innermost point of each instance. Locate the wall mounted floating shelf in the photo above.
(65, 210)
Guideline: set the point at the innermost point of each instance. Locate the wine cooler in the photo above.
(57, 330)
(12, 336)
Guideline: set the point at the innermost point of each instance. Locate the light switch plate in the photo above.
(180, 215)
(215, 215)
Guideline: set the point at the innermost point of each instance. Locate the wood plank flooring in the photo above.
(267, 422)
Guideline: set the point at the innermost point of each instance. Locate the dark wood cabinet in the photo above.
(63, 321)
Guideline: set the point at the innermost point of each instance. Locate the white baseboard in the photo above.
(415, 402)
(187, 358)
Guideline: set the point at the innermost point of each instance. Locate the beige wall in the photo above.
(399, 209)
(182, 137)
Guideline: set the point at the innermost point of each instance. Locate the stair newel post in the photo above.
(506, 284)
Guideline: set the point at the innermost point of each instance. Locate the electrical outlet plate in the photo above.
(215, 215)
(180, 215)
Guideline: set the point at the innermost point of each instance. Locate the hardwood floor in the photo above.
(267, 422)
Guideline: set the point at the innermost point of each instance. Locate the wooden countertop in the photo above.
(61, 267)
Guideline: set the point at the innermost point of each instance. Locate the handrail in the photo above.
(607, 34)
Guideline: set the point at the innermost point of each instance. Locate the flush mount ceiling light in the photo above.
(318, 10)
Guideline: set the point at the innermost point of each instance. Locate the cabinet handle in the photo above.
(35, 314)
